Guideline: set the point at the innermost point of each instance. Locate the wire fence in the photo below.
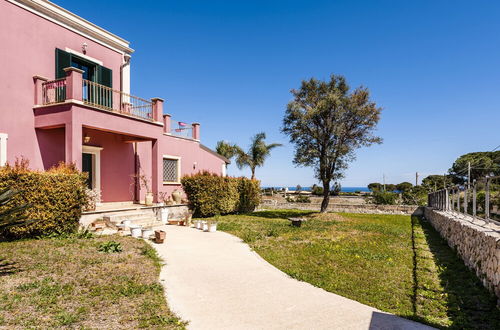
(479, 199)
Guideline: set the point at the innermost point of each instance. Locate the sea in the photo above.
(342, 189)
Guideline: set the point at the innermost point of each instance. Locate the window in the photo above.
(3, 149)
(171, 169)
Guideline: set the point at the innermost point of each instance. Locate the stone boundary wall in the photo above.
(347, 208)
(478, 244)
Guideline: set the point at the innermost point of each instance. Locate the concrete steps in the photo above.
(145, 218)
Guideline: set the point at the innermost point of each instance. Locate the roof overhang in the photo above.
(227, 161)
(75, 23)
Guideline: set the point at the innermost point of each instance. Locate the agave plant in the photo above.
(11, 216)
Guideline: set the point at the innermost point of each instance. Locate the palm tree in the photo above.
(226, 149)
(256, 155)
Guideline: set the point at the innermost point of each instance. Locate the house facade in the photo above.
(65, 97)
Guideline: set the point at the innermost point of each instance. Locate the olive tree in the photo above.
(327, 122)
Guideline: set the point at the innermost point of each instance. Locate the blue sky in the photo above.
(433, 66)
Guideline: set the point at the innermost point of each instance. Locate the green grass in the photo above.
(395, 263)
(68, 283)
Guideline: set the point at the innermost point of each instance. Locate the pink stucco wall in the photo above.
(28, 49)
(52, 134)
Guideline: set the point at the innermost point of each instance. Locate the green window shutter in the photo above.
(63, 60)
(105, 76)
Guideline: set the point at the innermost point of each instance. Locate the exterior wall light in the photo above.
(86, 139)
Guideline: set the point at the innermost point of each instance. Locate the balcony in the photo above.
(75, 88)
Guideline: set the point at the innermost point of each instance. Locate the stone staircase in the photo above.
(146, 218)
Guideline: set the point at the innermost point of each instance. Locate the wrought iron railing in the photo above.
(479, 199)
(182, 129)
(54, 91)
(106, 98)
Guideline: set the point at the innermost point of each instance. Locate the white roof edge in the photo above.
(64, 17)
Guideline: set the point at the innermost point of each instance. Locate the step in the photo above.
(119, 217)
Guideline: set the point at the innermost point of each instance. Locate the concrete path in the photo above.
(215, 281)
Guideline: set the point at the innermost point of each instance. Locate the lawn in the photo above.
(67, 282)
(395, 263)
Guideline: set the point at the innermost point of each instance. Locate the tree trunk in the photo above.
(253, 173)
(326, 196)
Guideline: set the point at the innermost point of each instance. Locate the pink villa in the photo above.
(65, 96)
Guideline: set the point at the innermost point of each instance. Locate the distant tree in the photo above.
(375, 186)
(327, 122)
(298, 188)
(416, 195)
(256, 154)
(436, 182)
(336, 188)
(482, 164)
(390, 187)
(404, 186)
(383, 198)
(317, 190)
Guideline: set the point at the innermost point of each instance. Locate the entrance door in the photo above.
(87, 166)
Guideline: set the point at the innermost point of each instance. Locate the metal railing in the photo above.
(480, 199)
(106, 98)
(181, 129)
(54, 91)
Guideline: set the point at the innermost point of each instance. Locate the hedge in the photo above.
(56, 198)
(210, 194)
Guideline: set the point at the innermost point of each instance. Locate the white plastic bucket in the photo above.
(126, 223)
(136, 231)
(164, 215)
(146, 233)
(205, 226)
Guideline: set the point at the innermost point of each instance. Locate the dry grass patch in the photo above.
(68, 283)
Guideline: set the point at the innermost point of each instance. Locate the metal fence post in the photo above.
(487, 200)
(465, 200)
(474, 209)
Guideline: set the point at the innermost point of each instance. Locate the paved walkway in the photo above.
(215, 281)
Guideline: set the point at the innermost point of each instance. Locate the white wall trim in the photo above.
(178, 169)
(3, 148)
(82, 55)
(75, 23)
(96, 164)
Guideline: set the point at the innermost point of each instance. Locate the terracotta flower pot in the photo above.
(161, 234)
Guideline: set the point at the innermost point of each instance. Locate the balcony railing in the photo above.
(54, 91)
(98, 96)
(103, 97)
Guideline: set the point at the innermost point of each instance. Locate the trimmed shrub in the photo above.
(56, 198)
(249, 191)
(210, 194)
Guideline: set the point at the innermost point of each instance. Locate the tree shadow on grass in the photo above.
(8, 267)
(280, 214)
(469, 305)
